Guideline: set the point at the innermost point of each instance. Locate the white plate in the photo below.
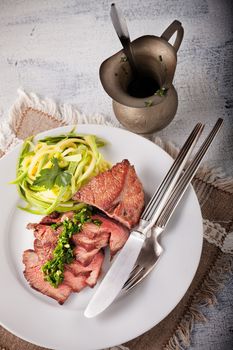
(39, 319)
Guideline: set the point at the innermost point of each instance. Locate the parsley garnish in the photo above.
(148, 103)
(63, 253)
(53, 176)
(161, 92)
(124, 59)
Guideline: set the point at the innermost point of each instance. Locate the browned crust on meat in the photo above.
(118, 192)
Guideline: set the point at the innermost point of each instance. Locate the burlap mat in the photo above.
(29, 115)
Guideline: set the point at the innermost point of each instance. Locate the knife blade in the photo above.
(113, 280)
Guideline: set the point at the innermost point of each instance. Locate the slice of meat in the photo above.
(83, 256)
(90, 242)
(99, 236)
(45, 233)
(118, 233)
(118, 238)
(118, 192)
(76, 283)
(35, 277)
(96, 266)
(44, 252)
(67, 215)
(51, 218)
(91, 271)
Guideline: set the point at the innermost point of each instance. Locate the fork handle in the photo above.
(187, 177)
(160, 197)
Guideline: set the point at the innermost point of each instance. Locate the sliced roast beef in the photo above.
(96, 265)
(91, 272)
(118, 192)
(90, 240)
(76, 283)
(78, 277)
(44, 252)
(75, 279)
(35, 277)
(45, 233)
(85, 269)
(118, 237)
(83, 256)
(99, 236)
(51, 218)
(118, 234)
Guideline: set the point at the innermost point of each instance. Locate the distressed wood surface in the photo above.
(55, 48)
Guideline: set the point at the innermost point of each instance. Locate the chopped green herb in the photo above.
(148, 103)
(124, 59)
(63, 253)
(56, 225)
(97, 222)
(53, 176)
(161, 92)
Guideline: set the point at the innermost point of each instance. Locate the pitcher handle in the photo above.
(175, 26)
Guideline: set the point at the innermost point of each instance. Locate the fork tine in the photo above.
(138, 279)
(133, 272)
(134, 279)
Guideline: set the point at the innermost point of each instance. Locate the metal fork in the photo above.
(152, 250)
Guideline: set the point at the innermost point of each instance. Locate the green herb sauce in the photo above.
(63, 253)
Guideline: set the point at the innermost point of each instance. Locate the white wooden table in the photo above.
(55, 48)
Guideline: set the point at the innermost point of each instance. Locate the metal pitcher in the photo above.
(156, 58)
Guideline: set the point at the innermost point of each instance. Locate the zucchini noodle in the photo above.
(51, 171)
